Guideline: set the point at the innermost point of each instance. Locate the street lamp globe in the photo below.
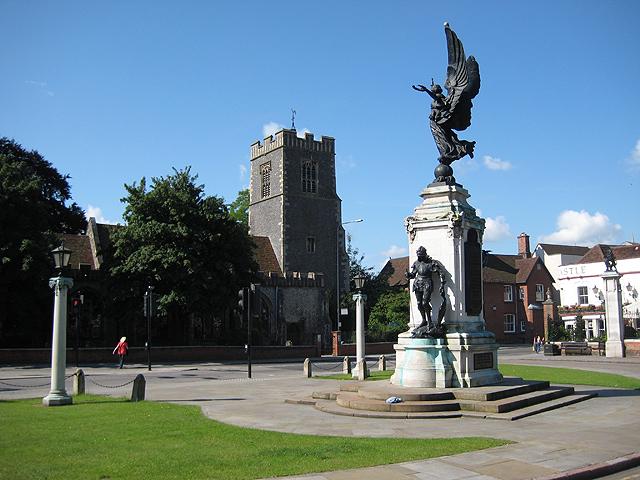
(61, 256)
(359, 280)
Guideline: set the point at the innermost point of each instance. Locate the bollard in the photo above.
(363, 373)
(382, 363)
(346, 365)
(78, 382)
(139, 384)
(307, 368)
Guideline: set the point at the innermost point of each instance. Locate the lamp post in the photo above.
(358, 220)
(361, 367)
(57, 394)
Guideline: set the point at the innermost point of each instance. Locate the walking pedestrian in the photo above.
(121, 349)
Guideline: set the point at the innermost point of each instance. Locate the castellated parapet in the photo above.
(289, 138)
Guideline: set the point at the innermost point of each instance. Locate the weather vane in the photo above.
(293, 119)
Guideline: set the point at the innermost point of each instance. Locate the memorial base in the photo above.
(426, 362)
(459, 360)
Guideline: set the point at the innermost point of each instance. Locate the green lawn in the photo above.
(552, 374)
(107, 438)
(569, 376)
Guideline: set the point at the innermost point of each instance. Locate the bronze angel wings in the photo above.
(453, 112)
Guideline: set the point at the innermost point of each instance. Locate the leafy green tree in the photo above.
(389, 316)
(34, 208)
(579, 332)
(558, 332)
(239, 208)
(187, 246)
(374, 285)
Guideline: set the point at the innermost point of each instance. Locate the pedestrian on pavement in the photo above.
(121, 349)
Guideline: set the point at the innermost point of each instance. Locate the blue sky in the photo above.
(110, 92)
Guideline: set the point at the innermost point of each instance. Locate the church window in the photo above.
(311, 244)
(310, 176)
(265, 180)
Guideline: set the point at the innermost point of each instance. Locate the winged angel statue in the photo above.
(452, 112)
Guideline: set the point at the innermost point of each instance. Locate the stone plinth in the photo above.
(451, 231)
(427, 363)
(614, 346)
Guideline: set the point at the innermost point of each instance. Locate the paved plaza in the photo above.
(546, 445)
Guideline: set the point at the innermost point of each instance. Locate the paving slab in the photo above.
(589, 433)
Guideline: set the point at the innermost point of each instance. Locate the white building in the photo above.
(556, 256)
(581, 284)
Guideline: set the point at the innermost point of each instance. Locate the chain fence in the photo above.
(88, 377)
(33, 386)
(333, 368)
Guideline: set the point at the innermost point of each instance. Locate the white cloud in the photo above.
(493, 163)
(271, 128)
(96, 212)
(243, 171)
(496, 229)
(41, 85)
(634, 158)
(394, 251)
(582, 228)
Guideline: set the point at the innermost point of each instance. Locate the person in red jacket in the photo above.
(121, 349)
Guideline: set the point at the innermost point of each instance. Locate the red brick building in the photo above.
(514, 287)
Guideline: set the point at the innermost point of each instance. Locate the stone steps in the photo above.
(327, 406)
(512, 399)
(357, 402)
(515, 402)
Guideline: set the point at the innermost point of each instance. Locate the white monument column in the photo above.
(613, 310)
(451, 232)
(58, 395)
(359, 298)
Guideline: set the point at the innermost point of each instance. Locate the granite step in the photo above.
(357, 402)
(511, 387)
(328, 406)
(533, 409)
(516, 402)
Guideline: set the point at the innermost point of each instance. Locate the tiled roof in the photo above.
(265, 256)
(394, 271)
(553, 249)
(525, 266)
(500, 268)
(621, 252)
(80, 250)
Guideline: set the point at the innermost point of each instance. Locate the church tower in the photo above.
(293, 202)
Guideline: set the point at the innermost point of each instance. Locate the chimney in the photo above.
(523, 245)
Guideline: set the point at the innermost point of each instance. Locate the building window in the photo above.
(311, 244)
(508, 293)
(521, 293)
(265, 180)
(310, 177)
(583, 296)
(85, 267)
(539, 292)
(523, 326)
(509, 323)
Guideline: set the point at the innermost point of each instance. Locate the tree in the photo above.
(373, 288)
(579, 332)
(34, 209)
(239, 208)
(186, 245)
(389, 316)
